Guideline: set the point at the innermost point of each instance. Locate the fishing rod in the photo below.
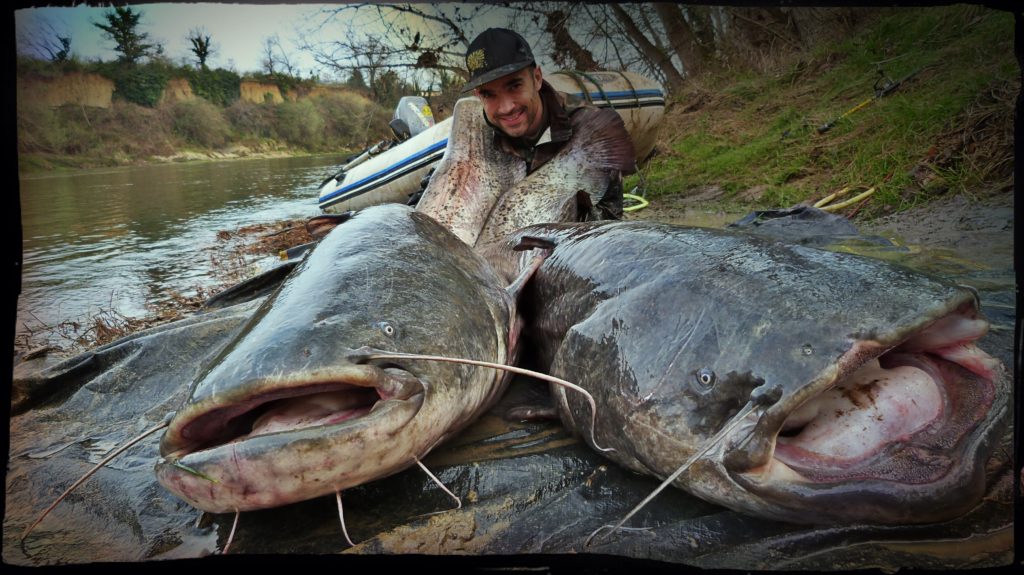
(883, 87)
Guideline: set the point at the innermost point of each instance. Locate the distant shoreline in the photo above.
(36, 164)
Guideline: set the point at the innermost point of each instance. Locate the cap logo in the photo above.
(475, 60)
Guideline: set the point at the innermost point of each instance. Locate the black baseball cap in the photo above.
(496, 52)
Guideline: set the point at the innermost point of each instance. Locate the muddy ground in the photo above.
(958, 222)
(969, 224)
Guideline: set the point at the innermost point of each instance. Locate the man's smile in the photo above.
(514, 118)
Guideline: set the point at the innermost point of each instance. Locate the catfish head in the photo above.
(291, 409)
(896, 429)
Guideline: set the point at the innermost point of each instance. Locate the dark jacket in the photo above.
(564, 112)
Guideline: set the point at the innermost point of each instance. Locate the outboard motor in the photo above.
(400, 129)
(415, 113)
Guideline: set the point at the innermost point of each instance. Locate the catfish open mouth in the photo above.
(914, 415)
(289, 405)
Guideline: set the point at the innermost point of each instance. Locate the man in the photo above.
(530, 119)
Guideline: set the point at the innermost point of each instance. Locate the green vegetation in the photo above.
(949, 127)
(122, 28)
(144, 120)
(218, 86)
(201, 123)
(284, 82)
(140, 84)
(139, 125)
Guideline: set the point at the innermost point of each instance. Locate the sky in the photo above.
(237, 30)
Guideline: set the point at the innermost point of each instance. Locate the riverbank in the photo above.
(977, 227)
(233, 153)
(34, 164)
(127, 134)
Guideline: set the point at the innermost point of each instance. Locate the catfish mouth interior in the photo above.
(905, 416)
(294, 406)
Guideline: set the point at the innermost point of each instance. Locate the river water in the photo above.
(114, 239)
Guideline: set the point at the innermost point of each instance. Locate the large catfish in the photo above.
(286, 412)
(884, 409)
(471, 176)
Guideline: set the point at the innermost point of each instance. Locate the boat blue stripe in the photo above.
(630, 94)
(398, 174)
(426, 152)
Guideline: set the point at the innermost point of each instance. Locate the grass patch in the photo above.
(759, 132)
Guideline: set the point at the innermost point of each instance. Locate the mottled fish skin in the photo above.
(388, 279)
(672, 329)
(471, 176)
(565, 188)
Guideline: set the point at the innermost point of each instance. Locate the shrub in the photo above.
(40, 128)
(27, 66)
(300, 124)
(352, 121)
(200, 122)
(251, 120)
(123, 131)
(139, 131)
(284, 82)
(141, 84)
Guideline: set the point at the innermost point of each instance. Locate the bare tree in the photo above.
(277, 60)
(561, 23)
(761, 28)
(667, 41)
(656, 57)
(817, 24)
(202, 47)
(43, 39)
(600, 30)
(426, 37)
(682, 38)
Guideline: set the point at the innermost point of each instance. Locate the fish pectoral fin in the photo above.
(584, 207)
(513, 291)
(516, 287)
(533, 242)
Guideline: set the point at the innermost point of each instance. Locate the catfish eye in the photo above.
(387, 329)
(705, 378)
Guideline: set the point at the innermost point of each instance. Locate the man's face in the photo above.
(512, 103)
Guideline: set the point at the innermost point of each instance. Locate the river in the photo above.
(115, 239)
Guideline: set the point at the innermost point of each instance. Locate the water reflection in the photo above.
(115, 238)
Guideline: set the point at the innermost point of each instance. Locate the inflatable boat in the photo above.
(393, 170)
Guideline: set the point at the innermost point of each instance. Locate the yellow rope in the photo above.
(642, 203)
(849, 202)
